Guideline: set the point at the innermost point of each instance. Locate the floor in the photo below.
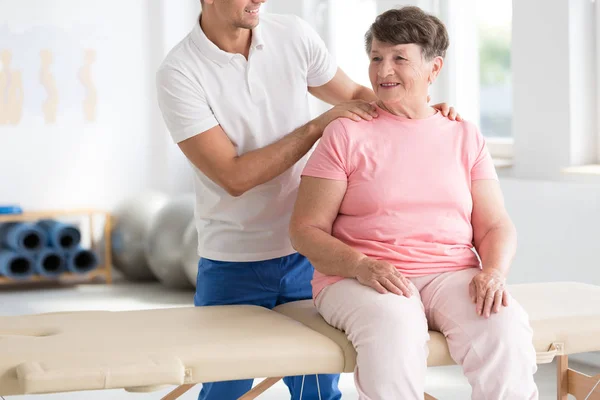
(443, 383)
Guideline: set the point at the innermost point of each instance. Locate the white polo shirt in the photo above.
(256, 102)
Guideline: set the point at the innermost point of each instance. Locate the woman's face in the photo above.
(399, 73)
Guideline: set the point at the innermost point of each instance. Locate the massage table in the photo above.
(147, 349)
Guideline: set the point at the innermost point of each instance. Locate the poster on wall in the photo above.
(47, 73)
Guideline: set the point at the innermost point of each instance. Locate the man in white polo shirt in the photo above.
(235, 97)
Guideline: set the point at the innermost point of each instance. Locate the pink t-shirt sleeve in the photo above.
(483, 165)
(330, 158)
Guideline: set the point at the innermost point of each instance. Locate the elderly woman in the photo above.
(393, 212)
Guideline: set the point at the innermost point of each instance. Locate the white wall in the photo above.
(73, 162)
(558, 221)
(559, 230)
(126, 150)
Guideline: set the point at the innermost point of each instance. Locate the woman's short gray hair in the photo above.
(410, 25)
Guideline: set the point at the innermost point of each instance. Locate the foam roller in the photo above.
(15, 265)
(50, 263)
(81, 261)
(22, 237)
(60, 235)
(10, 209)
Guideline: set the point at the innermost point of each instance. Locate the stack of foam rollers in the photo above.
(45, 248)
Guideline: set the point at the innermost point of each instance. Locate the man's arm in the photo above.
(213, 153)
(342, 89)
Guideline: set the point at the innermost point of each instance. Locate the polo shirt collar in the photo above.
(257, 37)
(217, 55)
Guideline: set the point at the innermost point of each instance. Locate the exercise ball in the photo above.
(190, 255)
(164, 245)
(129, 234)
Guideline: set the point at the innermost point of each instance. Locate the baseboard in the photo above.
(591, 358)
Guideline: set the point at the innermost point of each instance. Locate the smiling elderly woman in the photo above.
(390, 211)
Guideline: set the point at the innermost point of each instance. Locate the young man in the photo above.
(234, 95)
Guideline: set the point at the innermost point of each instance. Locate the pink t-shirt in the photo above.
(408, 199)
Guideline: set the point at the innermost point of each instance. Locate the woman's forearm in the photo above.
(497, 248)
(329, 256)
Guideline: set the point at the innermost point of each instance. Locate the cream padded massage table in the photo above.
(145, 350)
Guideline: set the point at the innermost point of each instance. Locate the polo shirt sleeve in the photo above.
(183, 105)
(321, 65)
(483, 165)
(330, 158)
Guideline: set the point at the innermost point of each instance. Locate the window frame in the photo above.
(597, 69)
(464, 45)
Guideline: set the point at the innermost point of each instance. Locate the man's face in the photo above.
(239, 13)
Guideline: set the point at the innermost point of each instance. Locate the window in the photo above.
(597, 26)
(477, 73)
(353, 19)
(495, 89)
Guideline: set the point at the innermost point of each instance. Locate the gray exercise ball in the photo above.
(129, 234)
(190, 255)
(164, 246)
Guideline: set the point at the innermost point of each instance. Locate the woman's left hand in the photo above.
(487, 290)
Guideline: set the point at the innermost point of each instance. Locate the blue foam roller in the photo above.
(15, 265)
(60, 235)
(81, 261)
(50, 263)
(10, 209)
(22, 237)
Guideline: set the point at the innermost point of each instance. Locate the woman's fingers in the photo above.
(377, 286)
(473, 291)
(488, 303)
(402, 283)
(491, 301)
(391, 286)
(481, 292)
(498, 301)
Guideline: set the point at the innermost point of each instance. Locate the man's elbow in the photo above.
(233, 190)
(234, 186)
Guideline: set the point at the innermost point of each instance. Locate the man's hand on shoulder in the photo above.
(447, 111)
(355, 110)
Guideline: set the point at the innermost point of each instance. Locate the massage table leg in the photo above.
(562, 382)
(251, 395)
(260, 388)
(178, 391)
(573, 382)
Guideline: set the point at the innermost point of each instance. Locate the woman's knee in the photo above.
(393, 321)
(510, 333)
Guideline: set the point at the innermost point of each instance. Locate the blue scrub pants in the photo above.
(268, 284)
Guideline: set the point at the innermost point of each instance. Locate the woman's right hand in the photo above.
(383, 277)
